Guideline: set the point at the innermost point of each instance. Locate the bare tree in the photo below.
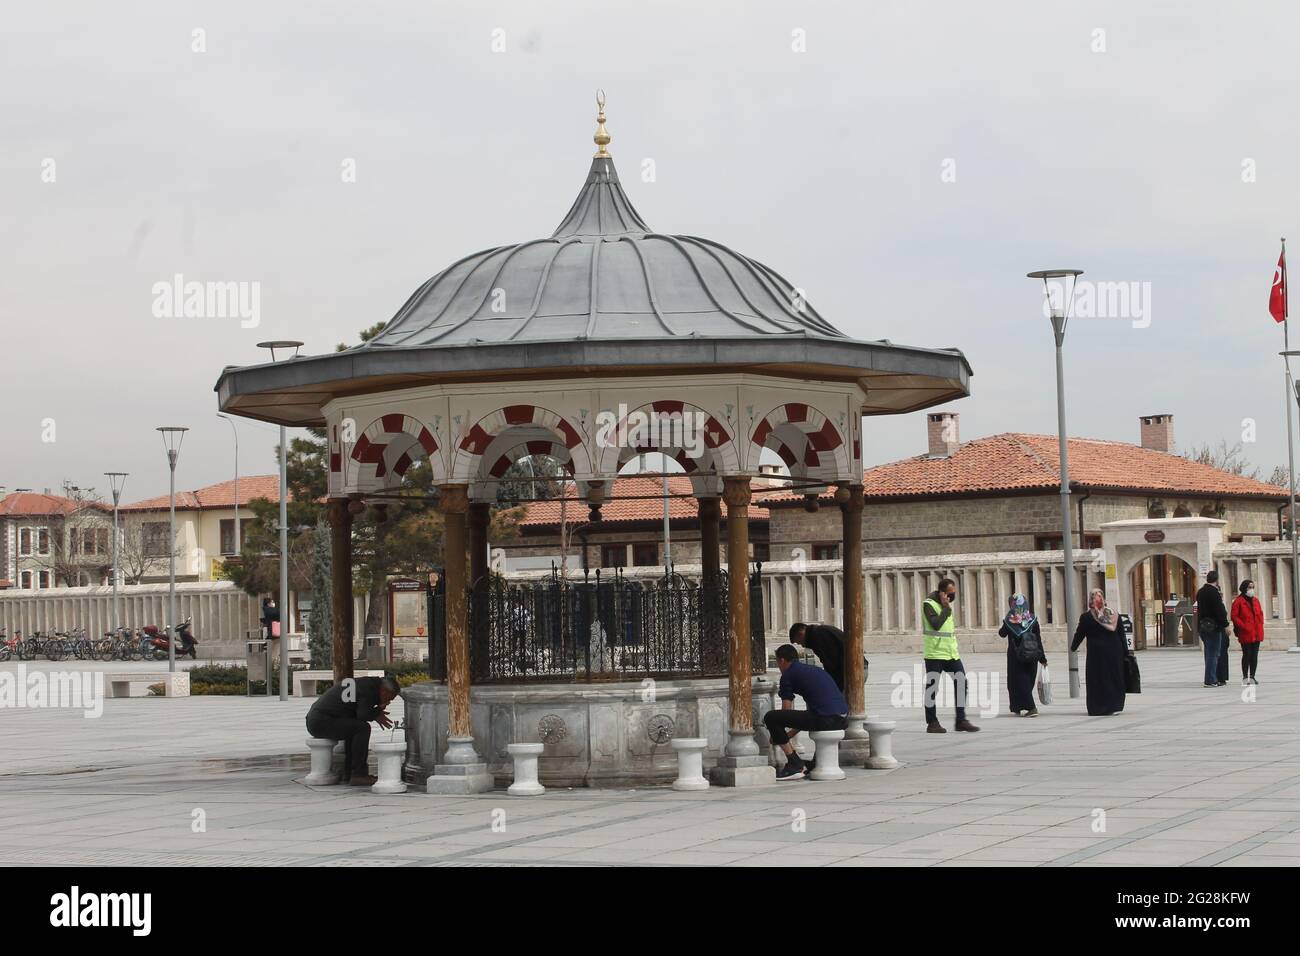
(1229, 458)
(142, 553)
(79, 540)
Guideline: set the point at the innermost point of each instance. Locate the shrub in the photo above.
(219, 674)
(220, 690)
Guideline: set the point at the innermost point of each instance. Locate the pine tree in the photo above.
(320, 639)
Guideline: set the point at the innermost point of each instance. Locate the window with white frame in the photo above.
(155, 535)
(25, 579)
(43, 580)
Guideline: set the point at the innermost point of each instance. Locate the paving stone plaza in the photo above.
(1186, 775)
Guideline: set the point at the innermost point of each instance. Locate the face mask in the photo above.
(952, 597)
(1250, 592)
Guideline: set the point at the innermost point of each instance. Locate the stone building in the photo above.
(205, 529)
(1001, 493)
(49, 541)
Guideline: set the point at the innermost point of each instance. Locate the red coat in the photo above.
(1248, 619)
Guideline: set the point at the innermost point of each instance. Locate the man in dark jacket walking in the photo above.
(1212, 617)
(827, 643)
(344, 713)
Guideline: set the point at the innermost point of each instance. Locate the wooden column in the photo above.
(453, 502)
(340, 519)
(477, 526)
(736, 492)
(710, 514)
(851, 512)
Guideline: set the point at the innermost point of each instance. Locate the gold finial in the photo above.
(601, 138)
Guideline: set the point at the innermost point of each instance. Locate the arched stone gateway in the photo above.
(1127, 544)
(545, 347)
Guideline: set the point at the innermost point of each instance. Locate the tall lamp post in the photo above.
(284, 528)
(173, 436)
(116, 481)
(236, 433)
(1060, 315)
(1292, 388)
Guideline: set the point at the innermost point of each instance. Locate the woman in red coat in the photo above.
(1248, 625)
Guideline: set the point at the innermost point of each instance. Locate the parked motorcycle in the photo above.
(160, 643)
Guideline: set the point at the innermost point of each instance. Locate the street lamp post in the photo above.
(1060, 315)
(236, 433)
(173, 436)
(1292, 387)
(284, 530)
(116, 481)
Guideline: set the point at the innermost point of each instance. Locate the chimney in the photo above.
(1158, 433)
(941, 432)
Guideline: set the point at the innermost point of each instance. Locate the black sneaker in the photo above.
(794, 769)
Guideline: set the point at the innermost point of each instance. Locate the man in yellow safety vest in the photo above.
(942, 656)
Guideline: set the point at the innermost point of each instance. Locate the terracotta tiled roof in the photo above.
(616, 509)
(1014, 462)
(220, 495)
(34, 503)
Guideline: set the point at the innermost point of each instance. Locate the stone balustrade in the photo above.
(792, 591)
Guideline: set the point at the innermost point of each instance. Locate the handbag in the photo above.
(1132, 676)
(1044, 685)
(1208, 626)
(275, 628)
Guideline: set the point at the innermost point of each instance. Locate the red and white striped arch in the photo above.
(385, 449)
(806, 440)
(484, 451)
(719, 450)
(497, 461)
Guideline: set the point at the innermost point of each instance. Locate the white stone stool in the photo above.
(690, 763)
(525, 757)
(827, 755)
(322, 754)
(882, 745)
(390, 754)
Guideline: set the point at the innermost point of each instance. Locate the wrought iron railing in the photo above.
(604, 626)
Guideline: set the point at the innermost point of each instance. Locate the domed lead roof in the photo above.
(603, 274)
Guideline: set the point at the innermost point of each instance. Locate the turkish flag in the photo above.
(1277, 298)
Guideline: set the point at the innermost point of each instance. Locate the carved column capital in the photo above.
(453, 499)
(736, 491)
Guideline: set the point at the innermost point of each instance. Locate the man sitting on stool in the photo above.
(827, 708)
(344, 713)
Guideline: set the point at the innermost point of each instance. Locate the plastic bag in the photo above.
(1044, 685)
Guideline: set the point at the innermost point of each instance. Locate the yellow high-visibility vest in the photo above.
(940, 645)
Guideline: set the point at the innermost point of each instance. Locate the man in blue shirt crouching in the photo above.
(827, 708)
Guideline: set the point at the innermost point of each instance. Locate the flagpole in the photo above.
(1291, 397)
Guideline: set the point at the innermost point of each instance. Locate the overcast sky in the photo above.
(1129, 153)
